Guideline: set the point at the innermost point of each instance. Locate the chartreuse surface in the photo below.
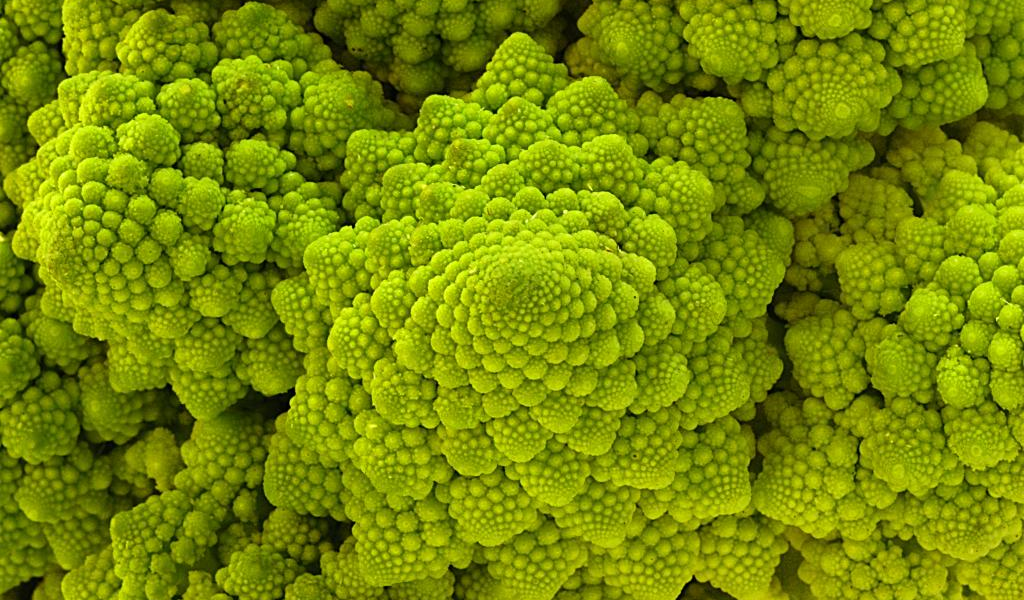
(345, 300)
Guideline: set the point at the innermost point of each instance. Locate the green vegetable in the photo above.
(480, 299)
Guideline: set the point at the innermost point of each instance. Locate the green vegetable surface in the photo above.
(511, 300)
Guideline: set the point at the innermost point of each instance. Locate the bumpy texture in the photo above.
(921, 372)
(423, 48)
(166, 213)
(825, 68)
(510, 370)
(728, 305)
(31, 67)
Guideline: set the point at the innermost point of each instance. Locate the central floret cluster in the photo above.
(531, 345)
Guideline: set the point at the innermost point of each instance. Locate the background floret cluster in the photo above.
(511, 300)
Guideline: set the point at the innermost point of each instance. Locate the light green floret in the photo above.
(425, 48)
(50, 491)
(426, 541)
(255, 96)
(872, 209)
(699, 302)
(44, 124)
(919, 32)
(906, 448)
(801, 174)
(41, 422)
(244, 229)
(645, 451)
(533, 565)
(641, 41)
(189, 105)
(110, 100)
(150, 138)
(444, 119)
(19, 142)
(31, 555)
(845, 569)
(492, 366)
(682, 196)
(295, 479)
(962, 381)
(589, 107)
(264, 31)
(299, 537)
(963, 521)
(832, 89)
(94, 578)
(735, 40)
(657, 559)
(953, 191)
(111, 415)
(940, 92)
(600, 514)
(18, 363)
(901, 366)
(809, 465)
(224, 460)
(215, 292)
(972, 230)
(402, 396)
(517, 436)
(519, 123)
(254, 164)
(663, 376)
(339, 253)
(357, 340)
(257, 573)
(201, 160)
(827, 19)
(924, 156)
(554, 476)
(931, 317)
(54, 339)
(548, 165)
(919, 247)
(342, 577)
(519, 68)
(163, 47)
(269, 363)
(711, 477)
(36, 19)
(739, 554)
(9, 41)
(69, 498)
(997, 574)
(744, 264)
(979, 435)
(323, 407)
(334, 106)
(397, 460)
(31, 76)
(1001, 57)
(1002, 480)
(709, 135)
(775, 230)
(871, 279)
(306, 211)
(207, 346)
(490, 509)
(827, 351)
(156, 455)
(91, 32)
(1004, 351)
